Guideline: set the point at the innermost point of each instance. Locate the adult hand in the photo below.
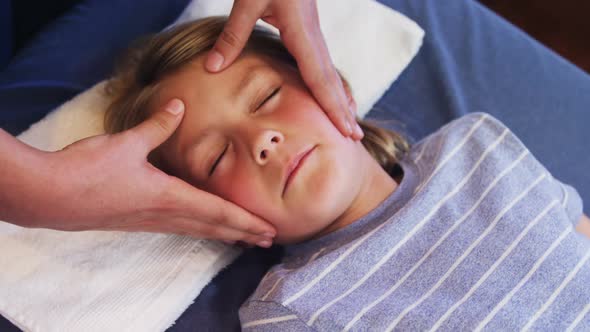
(106, 183)
(299, 26)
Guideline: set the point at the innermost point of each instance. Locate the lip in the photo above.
(294, 165)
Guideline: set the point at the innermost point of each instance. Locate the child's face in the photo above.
(253, 121)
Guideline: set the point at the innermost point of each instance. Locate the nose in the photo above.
(266, 143)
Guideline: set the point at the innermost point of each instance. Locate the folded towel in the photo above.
(116, 281)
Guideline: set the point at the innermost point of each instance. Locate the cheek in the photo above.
(241, 187)
(302, 111)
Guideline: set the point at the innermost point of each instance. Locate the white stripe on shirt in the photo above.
(421, 153)
(458, 222)
(272, 288)
(497, 263)
(313, 257)
(578, 318)
(565, 195)
(443, 131)
(465, 254)
(536, 266)
(556, 292)
(269, 321)
(331, 266)
(452, 153)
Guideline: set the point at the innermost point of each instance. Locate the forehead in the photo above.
(193, 80)
(204, 92)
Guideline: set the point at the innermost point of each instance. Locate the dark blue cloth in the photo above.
(471, 60)
(74, 52)
(5, 32)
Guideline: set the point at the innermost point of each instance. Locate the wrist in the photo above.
(26, 182)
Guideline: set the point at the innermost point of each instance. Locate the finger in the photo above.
(326, 86)
(319, 74)
(227, 214)
(357, 133)
(218, 232)
(182, 226)
(203, 206)
(160, 126)
(236, 32)
(357, 130)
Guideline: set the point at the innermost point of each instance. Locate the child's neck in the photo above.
(376, 186)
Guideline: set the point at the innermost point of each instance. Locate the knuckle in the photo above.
(248, 228)
(161, 124)
(212, 232)
(222, 214)
(319, 79)
(230, 38)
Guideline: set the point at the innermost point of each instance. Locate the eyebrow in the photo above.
(243, 85)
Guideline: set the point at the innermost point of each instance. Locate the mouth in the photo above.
(294, 165)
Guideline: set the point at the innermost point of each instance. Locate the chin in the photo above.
(321, 195)
(316, 207)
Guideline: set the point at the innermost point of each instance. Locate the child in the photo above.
(465, 230)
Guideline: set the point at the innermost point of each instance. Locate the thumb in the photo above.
(159, 127)
(235, 34)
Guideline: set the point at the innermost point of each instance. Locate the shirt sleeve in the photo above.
(570, 200)
(566, 194)
(476, 130)
(261, 316)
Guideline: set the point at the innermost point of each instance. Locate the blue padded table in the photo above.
(471, 60)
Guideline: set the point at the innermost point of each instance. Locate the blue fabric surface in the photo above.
(471, 60)
(5, 32)
(73, 53)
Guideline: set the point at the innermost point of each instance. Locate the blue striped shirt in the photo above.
(478, 236)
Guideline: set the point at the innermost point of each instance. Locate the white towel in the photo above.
(115, 281)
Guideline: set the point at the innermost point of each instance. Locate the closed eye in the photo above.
(218, 160)
(269, 97)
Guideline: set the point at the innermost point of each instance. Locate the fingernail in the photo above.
(348, 128)
(175, 107)
(359, 130)
(214, 61)
(264, 244)
(268, 234)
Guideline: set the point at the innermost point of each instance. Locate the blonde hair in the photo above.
(150, 59)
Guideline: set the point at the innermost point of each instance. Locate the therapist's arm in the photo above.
(106, 183)
(299, 26)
